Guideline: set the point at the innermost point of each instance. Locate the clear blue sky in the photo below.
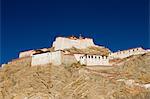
(32, 24)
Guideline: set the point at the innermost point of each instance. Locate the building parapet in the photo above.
(91, 60)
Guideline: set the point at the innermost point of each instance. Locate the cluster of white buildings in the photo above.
(60, 56)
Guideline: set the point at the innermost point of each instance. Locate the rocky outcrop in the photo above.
(97, 50)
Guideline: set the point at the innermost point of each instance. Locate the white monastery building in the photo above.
(62, 43)
(90, 60)
(56, 58)
(60, 56)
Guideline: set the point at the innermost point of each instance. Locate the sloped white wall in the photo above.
(127, 53)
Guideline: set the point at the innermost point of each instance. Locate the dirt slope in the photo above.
(18, 80)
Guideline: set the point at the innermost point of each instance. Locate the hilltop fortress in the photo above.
(69, 50)
(62, 43)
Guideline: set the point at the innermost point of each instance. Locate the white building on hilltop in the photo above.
(62, 57)
(62, 43)
(94, 60)
(56, 58)
(58, 55)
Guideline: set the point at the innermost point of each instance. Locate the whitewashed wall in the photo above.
(26, 53)
(83, 60)
(41, 59)
(127, 53)
(56, 57)
(77, 56)
(91, 60)
(148, 50)
(63, 43)
(46, 58)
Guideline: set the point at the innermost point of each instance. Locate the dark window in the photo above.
(95, 56)
(91, 56)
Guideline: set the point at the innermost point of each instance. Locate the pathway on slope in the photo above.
(101, 73)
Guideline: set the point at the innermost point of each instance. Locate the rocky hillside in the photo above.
(92, 50)
(18, 80)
